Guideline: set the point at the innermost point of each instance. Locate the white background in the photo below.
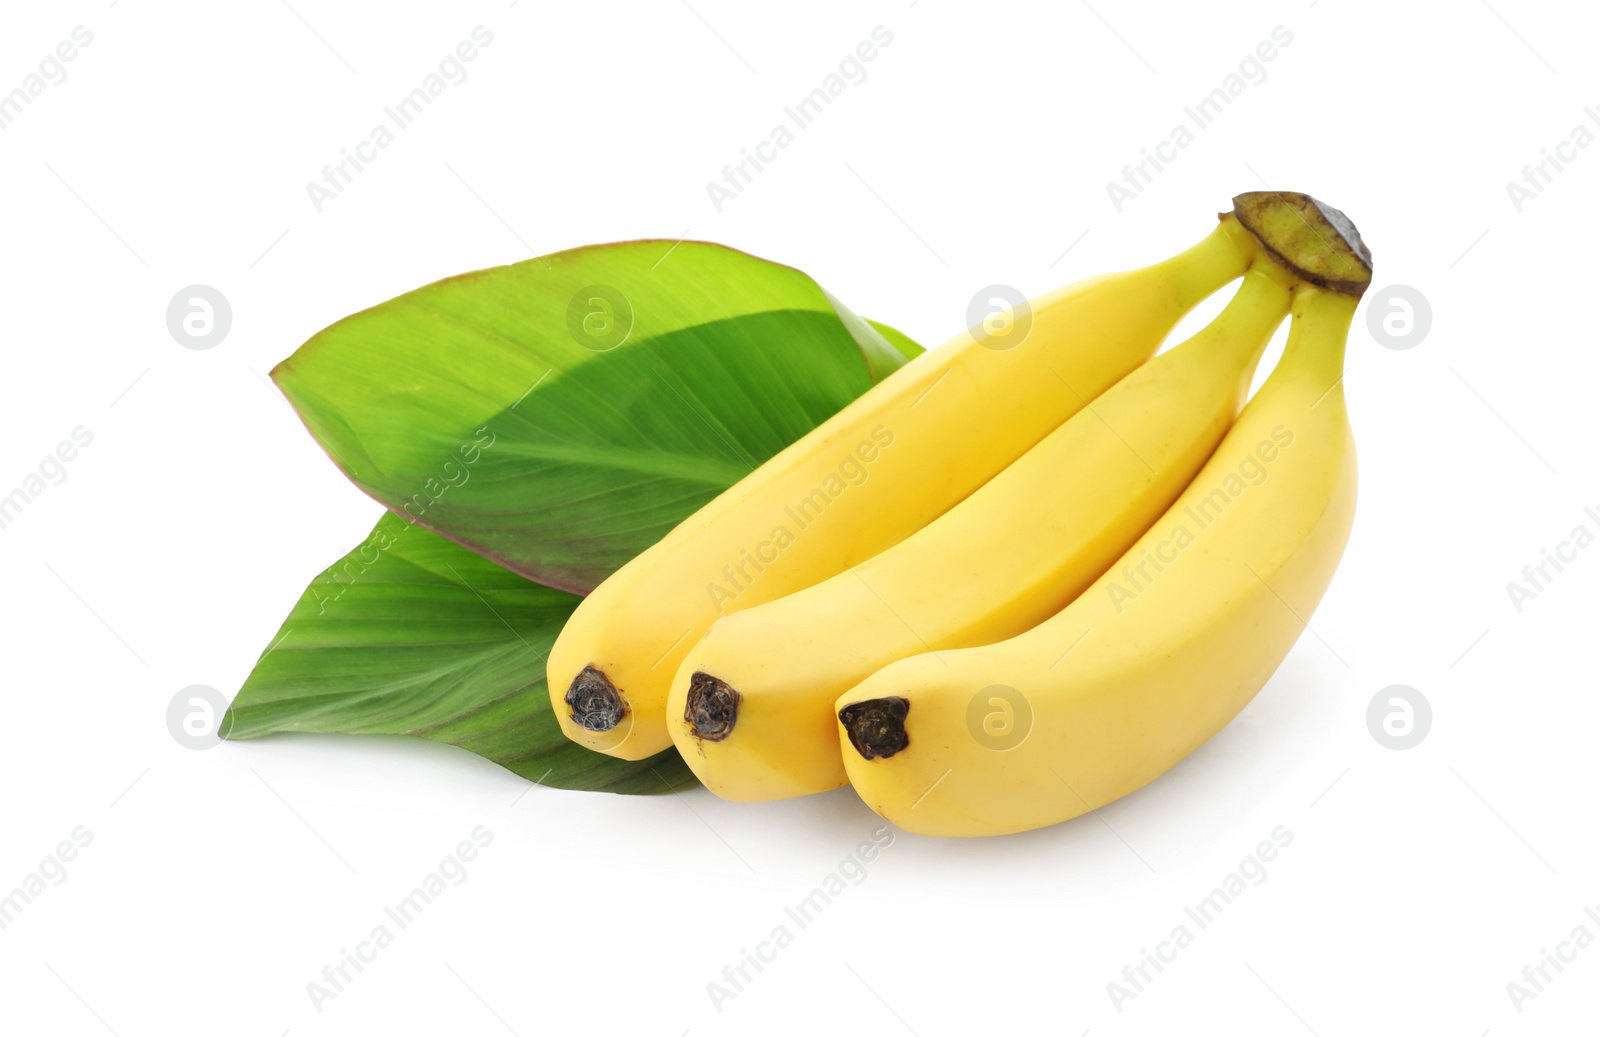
(218, 884)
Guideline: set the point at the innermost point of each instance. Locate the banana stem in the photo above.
(1263, 291)
(1315, 350)
(1212, 262)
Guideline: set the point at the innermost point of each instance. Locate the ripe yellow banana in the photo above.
(1156, 656)
(880, 469)
(751, 708)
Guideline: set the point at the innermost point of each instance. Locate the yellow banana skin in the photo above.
(1155, 657)
(883, 467)
(1003, 560)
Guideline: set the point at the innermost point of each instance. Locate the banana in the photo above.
(883, 467)
(1167, 646)
(751, 705)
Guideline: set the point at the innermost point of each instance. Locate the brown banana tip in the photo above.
(712, 707)
(877, 727)
(1317, 242)
(597, 705)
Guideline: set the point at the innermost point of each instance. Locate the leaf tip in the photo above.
(225, 726)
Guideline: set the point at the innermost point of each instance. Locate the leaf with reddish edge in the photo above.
(425, 402)
(561, 414)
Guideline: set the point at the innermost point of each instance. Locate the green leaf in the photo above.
(562, 414)
(898, 339)
(474, 407)
(410, 634)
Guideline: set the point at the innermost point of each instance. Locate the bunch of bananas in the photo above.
(1016, 580)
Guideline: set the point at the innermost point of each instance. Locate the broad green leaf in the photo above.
(562, 414)
(410, 634)
(425, 402)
